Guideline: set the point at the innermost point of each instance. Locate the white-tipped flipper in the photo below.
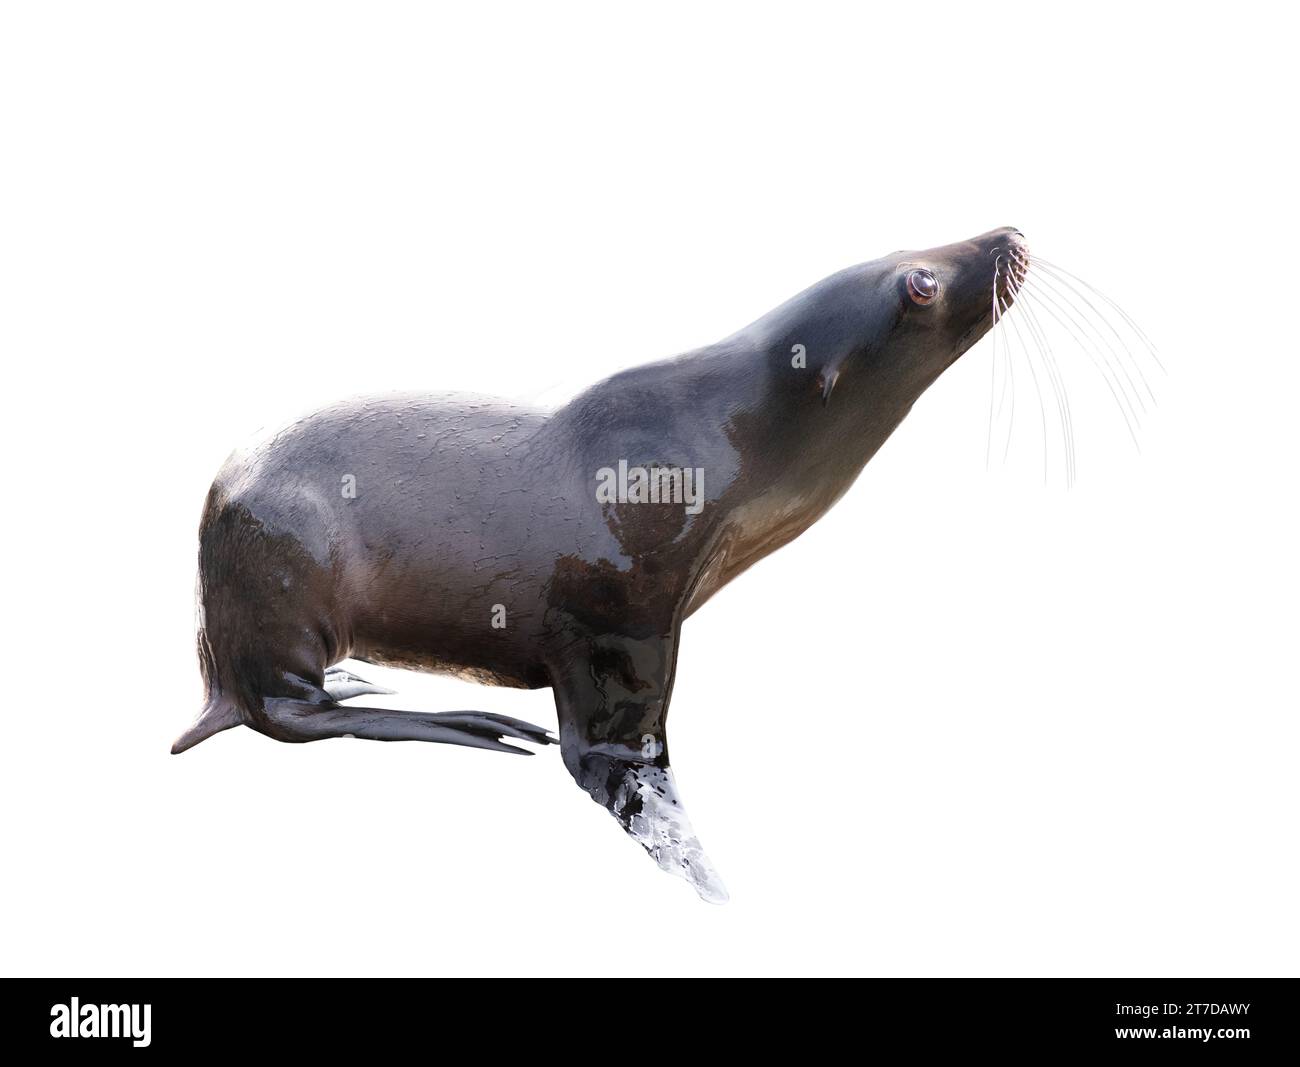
(342, 685)
(651, 811)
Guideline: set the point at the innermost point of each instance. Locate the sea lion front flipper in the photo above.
(612, 703)
(643, 798)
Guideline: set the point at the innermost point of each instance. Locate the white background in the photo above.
(969, 724)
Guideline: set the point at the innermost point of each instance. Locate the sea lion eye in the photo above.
(922, 286)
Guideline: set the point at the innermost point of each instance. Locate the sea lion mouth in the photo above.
(1010, 258)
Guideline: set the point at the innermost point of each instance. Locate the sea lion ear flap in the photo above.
(830, 374)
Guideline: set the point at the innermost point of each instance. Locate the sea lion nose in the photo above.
(1001, 239)
(1013, 242)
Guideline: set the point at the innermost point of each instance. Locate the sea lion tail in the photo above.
(219, 713)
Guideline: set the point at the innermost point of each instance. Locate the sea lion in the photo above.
(524, 548)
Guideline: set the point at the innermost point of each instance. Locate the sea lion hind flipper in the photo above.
(294, 720)
(219, 713)
(344, 685)
(504, 724)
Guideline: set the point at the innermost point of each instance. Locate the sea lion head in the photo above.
(916, 312)
(954, 294)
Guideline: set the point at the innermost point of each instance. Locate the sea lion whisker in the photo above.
(1009, 385)
(1080, 317)
(1008, 368)
(1062, 279)
(1103, 368)
(1085, 316)
(1038, 391)
(1057, 381)
(1042, 410)
(1088, 311)
(993, 364)
(1128, 319)
(1024, 259)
